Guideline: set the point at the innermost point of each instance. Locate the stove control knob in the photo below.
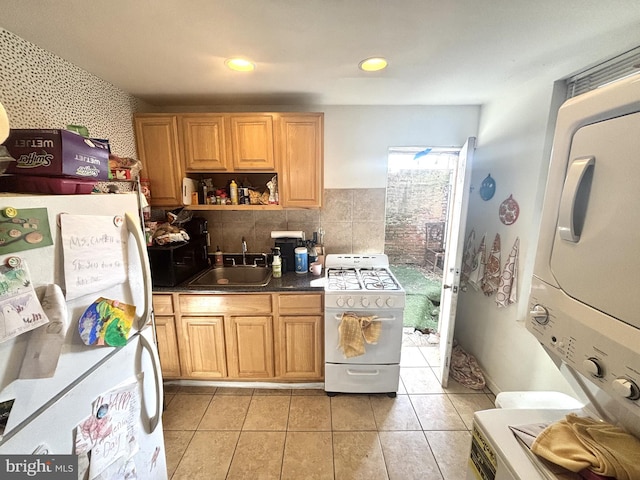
(350, 302)
(340, 302)
(592, 366)
(364, 301)
(626, 388)
(379, 302)
(389, 302)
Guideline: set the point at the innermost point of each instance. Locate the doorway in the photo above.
(419, 182)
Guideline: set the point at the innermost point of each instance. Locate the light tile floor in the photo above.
(246, 433)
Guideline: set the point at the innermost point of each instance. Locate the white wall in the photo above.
(357, 138)
(513, 146)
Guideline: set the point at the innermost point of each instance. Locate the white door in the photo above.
(454, 250)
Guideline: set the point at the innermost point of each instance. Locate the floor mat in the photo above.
(422, 299)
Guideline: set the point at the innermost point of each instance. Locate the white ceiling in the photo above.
(440, 52)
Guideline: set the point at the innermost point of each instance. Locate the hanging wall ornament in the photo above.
(509, 211)
(487, 188)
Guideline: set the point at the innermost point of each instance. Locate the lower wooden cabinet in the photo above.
(276, 336)
(300, 342)
(166, 335)
(249, 345)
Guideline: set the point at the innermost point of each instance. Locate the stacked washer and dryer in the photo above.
(583, 303)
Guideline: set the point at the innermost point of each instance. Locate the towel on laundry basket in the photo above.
(576, 443)
(355, 330)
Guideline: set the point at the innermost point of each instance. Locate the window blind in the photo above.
(615, 68)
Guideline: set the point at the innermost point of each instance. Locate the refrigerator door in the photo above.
(46, 267)
(53, 428)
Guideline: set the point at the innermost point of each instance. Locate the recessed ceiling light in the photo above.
(373, 64)
(239, 64)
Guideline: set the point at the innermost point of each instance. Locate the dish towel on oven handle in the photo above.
(508, 287)
(354, 331)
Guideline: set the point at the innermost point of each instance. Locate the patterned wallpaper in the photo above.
(41, 90)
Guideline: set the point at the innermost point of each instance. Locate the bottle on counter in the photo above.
(276, 265)
(217, 257)
(233, 192)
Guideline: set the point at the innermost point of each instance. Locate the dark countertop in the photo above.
(289, 282)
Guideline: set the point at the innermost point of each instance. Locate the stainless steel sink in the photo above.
(240, 275)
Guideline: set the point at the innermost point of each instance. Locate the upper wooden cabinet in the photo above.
(204, 143)
(300, 155)
(288, 144)
(252, 142)
(158, 150)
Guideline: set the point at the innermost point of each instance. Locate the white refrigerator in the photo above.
(55, 389)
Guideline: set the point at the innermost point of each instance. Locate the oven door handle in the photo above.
(363, 373)
(377, 319)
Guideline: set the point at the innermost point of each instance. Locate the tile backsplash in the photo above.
(353, 221)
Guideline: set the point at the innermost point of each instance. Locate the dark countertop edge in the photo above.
(289, 282)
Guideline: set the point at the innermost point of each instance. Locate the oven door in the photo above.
(385, 351)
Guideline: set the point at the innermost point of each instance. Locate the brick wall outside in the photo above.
(414, 198)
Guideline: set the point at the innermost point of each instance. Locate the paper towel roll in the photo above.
(287, 234)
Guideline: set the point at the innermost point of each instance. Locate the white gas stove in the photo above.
(363, 287)
(361, 281)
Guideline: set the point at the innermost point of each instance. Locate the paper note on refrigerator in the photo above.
(110, 433)
(20, 309)
(95, 253)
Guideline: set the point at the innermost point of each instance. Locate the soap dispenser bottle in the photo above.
(217, 258)
(276, 265)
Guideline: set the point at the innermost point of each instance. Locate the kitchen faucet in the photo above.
(244, 251)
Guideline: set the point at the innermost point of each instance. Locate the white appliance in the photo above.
(583, 303)
(47, 410)
(363, 285)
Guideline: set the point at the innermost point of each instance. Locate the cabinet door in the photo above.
(167, 346)
(252, 142)
(202, 350)
(204, 143)
(157, 142)
(301, 347)
(250, 346)
(300, 154)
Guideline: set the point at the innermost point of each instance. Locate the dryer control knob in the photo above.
(340, 301)
(593, 367)
(626, 388)
(350, 302)
(539, 314)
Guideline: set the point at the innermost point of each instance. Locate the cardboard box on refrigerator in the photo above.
(54, 153)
